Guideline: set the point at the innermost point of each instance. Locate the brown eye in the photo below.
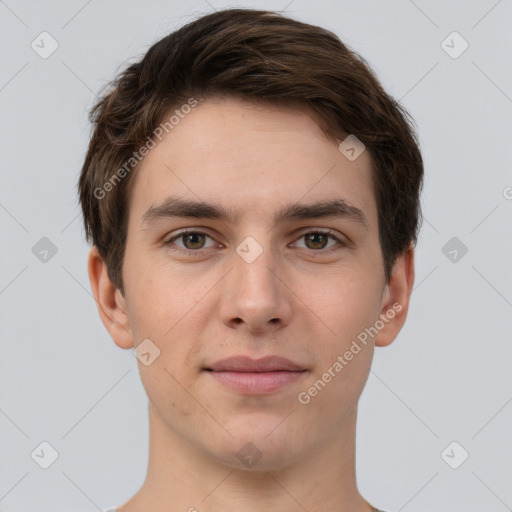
(191, 241)
(196, 240)
(317, 240)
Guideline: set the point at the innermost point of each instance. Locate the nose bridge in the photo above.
(255, 263)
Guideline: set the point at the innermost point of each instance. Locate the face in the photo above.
(254, 283)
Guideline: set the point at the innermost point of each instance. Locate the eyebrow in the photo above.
(175, 207)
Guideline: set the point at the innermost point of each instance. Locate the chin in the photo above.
(259, 443)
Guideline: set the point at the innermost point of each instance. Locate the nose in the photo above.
(256, 297)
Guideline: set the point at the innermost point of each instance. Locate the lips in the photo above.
(248, 376)
(246, 364)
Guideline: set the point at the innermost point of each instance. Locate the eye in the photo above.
(193, 240)
(316, 240)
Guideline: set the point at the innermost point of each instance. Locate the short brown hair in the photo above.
(259, 56)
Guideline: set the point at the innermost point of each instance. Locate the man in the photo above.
(252, 195)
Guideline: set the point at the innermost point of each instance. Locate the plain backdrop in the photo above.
(442, 391)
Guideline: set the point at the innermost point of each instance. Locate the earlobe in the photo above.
(395, 299)
(110, 302)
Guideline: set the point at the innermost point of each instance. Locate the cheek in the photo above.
(344, 302)
(347, 307)
(166, 308)
(167, 393)
(157, 301)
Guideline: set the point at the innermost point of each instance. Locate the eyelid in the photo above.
(341, 241)
(325, 231)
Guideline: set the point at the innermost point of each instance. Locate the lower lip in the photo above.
(256, 383)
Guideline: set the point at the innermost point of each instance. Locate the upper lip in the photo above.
(247, 364)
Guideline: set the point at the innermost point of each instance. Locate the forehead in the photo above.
(250, 158)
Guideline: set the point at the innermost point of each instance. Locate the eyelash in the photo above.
(331, 234)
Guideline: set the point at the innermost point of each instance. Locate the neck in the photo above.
(182, 478)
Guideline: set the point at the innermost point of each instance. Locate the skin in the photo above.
(304, 300)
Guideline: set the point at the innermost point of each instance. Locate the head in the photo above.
(247, 112)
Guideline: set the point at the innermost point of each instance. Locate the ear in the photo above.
(395, 298)
(111, 303)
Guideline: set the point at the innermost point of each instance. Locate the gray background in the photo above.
(445, 378)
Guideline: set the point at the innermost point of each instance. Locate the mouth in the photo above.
(255, 377)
